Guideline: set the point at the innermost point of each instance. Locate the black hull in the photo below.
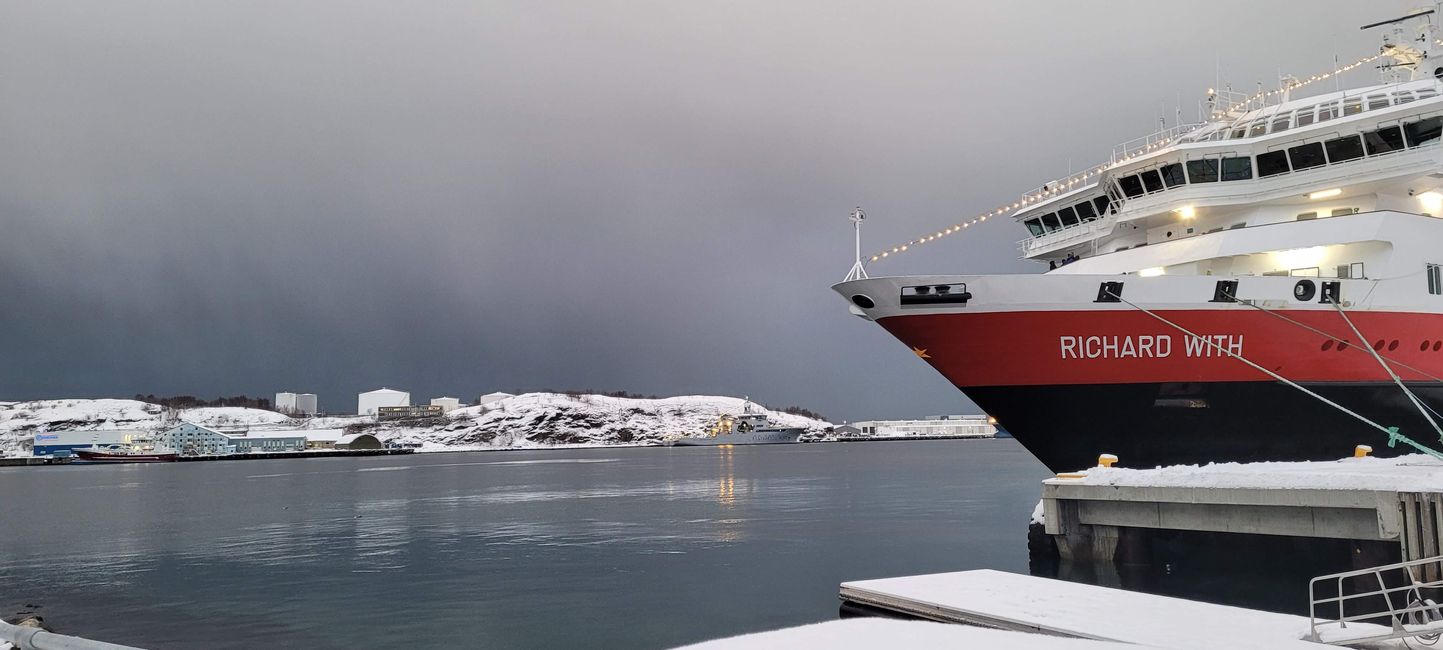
(1147, 425)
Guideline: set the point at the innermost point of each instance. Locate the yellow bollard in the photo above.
(1362, 451)
(1106, 460)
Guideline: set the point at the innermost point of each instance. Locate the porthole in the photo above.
(1342, 345)
(1423, 347)
(863, 301)
(1327, 345)
(1393, 345)
(1437, 345)
(1378, 345)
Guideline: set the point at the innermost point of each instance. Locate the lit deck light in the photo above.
(1325, 194)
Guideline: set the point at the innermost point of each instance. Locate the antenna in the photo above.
(859, 271)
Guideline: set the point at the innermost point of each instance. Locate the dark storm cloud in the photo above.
(458, 197)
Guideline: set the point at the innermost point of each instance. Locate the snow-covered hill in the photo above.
(541, 419)
(523, 421)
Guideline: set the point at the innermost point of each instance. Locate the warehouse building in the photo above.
(48, 443)
(296, 403)
(368, 403)
(492, 397)
(190, 439)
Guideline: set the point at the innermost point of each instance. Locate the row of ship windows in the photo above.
(1240, 168)
(1324, 112)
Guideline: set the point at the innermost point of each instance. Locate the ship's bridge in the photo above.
(1335, 154)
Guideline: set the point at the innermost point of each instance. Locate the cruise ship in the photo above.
(1261, 285)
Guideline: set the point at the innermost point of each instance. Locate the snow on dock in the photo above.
(1390, 500)
(1008, 601)
(873, 633)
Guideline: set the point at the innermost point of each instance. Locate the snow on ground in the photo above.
(529, 421)
(549, 419)
(874, 633)
(1412, 473)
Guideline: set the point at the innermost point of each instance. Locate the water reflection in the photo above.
(726, 477)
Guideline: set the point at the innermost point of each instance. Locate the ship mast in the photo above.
(1419, 52)
(858, 272)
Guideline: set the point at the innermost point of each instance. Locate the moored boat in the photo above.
(1264, 284)
(746, 429)
(123, 454)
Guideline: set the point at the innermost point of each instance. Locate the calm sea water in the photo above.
(642, 547)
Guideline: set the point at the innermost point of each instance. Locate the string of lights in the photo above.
(1079, 180)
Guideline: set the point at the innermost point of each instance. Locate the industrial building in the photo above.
(937, 426)
(189, 439)
(447, 404)
(408, 412)
(296, 403)
(339, 439)
(48, 443)
(492, 397)
(368, 403)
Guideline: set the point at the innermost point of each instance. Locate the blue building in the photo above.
(48, 443)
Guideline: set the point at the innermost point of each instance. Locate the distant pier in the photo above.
(316, 453)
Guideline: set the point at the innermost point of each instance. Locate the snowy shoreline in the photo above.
(527, 421)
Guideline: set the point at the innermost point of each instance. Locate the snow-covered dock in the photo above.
(1393, 501)
(1044, 606)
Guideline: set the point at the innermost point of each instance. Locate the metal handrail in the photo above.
(1398, 617)
(1153, 140)
(34, 638)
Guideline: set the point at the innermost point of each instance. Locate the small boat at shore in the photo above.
(123, 454)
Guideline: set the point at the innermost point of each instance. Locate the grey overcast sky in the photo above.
(209, 198)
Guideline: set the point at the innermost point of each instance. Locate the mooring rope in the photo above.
(1343, 344)
(1411, 397)
(1394, 436)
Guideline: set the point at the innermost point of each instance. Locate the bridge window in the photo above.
(1307, 156)
(1172, 175)
(1237, 169)
(1423, 132)
(1152, 181)
(1102, 203)
(1034, 226)
(1272, 163)
(1349, 148)
(1131, 186)
(1352, 106)
(1085, 211)
(1383, 140)
(1240, 132)
(1281, 124)
(1050, 222)
(1259, 127)
(1305, 117)
(1067, 216)
(1202, 171)
(1377, 101)
(1327, 112)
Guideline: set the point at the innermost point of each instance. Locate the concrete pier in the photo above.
(1104, 515)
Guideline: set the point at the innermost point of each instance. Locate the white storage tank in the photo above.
(447, 404)
(296, 403)
(492, 397)
(367, 403)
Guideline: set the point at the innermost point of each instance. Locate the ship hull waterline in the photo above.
(753, 438)
(1073, 385)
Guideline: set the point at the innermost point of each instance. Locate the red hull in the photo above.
(1130, 347)
(108, 457)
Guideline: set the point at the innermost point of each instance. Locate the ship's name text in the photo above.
(1149, 346)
